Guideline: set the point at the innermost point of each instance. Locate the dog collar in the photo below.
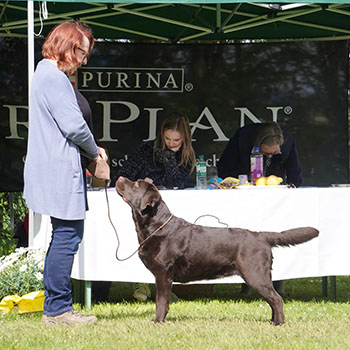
(157, 230)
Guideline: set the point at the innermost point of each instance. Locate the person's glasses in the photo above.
(85, 54)
(270, 154)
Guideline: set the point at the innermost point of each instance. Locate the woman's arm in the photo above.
(64, 108)
(132, 168)
(175, 175)
(229, 160)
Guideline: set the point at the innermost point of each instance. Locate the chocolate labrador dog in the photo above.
(175, 250)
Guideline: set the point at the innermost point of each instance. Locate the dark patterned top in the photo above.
(164, 171)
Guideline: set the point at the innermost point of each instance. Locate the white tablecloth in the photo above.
(260, 209)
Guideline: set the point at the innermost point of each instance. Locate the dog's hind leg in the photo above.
(163, 293)
(273, 298)
(259, 278)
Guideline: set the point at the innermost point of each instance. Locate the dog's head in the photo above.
(141, 195)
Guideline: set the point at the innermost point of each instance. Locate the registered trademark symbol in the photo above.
(189, 87)
(288, 110)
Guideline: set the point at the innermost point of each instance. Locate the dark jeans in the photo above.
(66, 236)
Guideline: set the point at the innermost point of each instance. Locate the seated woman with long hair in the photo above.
(169, 160)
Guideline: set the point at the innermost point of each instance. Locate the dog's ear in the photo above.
(149, 200)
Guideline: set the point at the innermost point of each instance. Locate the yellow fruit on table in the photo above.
(261, 181)
(229, 182)
(273, 180)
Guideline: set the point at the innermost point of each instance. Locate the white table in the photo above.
(260, 209)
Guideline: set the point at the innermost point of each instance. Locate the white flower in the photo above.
(21, 250)
(17, 266)
(23, 268)
(12, 258)
(39, 276)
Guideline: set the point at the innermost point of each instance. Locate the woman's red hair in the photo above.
(63, 41)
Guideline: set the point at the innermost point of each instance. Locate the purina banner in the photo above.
(133, 87)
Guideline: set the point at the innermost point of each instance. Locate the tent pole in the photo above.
(218, 15)
(30, 32)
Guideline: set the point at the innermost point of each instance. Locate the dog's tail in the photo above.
(290, 237)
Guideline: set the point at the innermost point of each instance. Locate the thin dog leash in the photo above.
(213, 216)
(116, 233)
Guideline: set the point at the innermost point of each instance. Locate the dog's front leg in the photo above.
(163, 292)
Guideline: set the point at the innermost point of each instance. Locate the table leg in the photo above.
(324, 286)
(88, 294)
(333, 283)
(333, 287)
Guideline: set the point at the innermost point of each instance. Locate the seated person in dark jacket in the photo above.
(280, 159)
(168, 162)
(276, 145)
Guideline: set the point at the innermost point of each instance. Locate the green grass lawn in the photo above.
(218, 319)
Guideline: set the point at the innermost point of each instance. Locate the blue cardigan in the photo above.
(235, 159)
(53, 176)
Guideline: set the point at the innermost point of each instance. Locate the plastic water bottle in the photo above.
(201, 173)
(256, 164)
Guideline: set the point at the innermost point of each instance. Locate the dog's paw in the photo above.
(277, 323)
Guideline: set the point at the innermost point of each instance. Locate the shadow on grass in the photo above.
(183, 311)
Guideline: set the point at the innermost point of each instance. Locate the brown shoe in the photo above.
(69, 317)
